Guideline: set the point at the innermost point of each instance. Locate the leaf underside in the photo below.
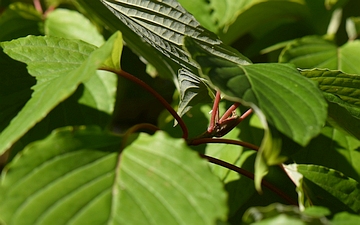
(163, 25)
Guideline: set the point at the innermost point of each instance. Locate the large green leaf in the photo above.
(76, 176)
(292, 103)
(163, 25)
(326, 187)
(67, 64)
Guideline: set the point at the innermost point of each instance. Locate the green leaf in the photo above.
(292, 103)
(70, 171)
(329, 188)
(345, 218)
(71, 24)
(343, 95)
(164, 25)
(14, 88)
(344, 85)
(214, 15)
(160, 176)
(19, 20)
(193, 91)
(343, 116)
(329, 145)
(256, 16)
(281, 214)
(317, 52)
(156, 179)
(67, 64)
(353, 27)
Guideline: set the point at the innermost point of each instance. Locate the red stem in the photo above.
(214, 112)
(141, 83)
(249, 175)
(37, 5)
(229, 112)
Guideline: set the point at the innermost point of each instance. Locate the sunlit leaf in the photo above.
(76, 176)
(67, 64)
(71, 24)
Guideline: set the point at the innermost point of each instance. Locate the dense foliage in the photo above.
(180, 112)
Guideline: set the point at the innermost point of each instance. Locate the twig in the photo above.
(214, 112)
(251, 176)
(229, 112)
(136, 80)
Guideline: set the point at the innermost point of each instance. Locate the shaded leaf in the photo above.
(193, 90)
(343, 95)
(84, 176)
(345, 218)
(281, 214)
(343, 116)
(19, 20)
(327, 187)
(14, 88)
(72, 25)
(329, 145)
(215, 15)
(256, 16)
(67, 64)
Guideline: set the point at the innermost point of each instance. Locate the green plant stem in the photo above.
(141, 83)
(223, 141)
(250, 176)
